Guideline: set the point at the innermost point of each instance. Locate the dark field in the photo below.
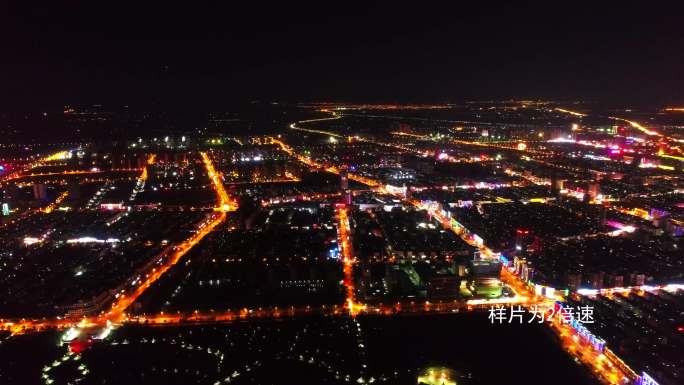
(302, 351)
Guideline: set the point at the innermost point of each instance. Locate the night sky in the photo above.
(77, 52)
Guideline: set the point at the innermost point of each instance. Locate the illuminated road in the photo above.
(331, 169)
(61, 155)
(69, 172)
(225, 204)
(52, 206)
(637, 126)
(392, 309)
(348, 260)
(604, 364)
(170, 257)
(116, 313)
(298, 198)
(334, 115)
(570, 112)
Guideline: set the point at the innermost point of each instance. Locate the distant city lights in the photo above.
(32, 240)
(93, 240)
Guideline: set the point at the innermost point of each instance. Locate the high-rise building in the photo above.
(659, 217)
(74, 190)
(574, 280)
(40, 192)
(484, 278)
(441, 286)
(523, 239)
(557, 185)
(347, 197)
(596, 280)
(635, 279)
(594, 190)
(344, 180)
(615, 280)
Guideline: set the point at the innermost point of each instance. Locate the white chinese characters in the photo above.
(536, 314)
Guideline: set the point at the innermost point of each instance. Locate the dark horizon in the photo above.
(171, 56)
